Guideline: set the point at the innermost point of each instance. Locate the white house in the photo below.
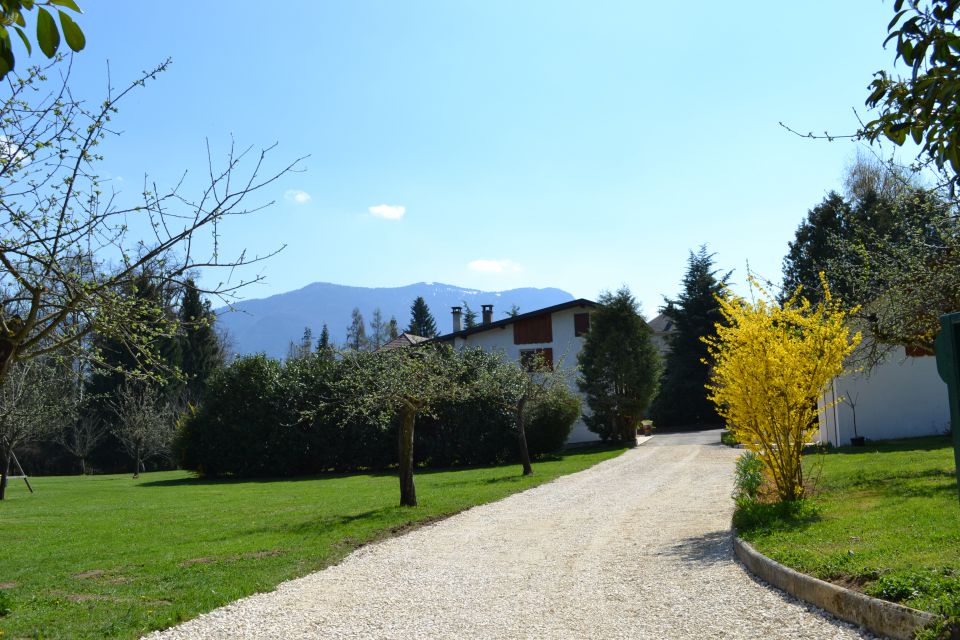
(556, 333)
(902, 397)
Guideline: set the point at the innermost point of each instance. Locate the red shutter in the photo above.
(581, 324)
(533, 330)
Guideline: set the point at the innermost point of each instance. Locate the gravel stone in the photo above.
(635, 547)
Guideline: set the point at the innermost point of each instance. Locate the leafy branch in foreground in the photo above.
(71, 254)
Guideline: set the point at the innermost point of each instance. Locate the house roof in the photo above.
(662, 324)
(403, 340)
(579, 302)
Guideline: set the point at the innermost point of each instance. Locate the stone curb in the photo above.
(879, 616)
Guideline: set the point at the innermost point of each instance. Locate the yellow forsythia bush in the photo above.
(771, 364)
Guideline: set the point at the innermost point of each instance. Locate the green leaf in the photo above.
(48, 37)
(25, 39)
(69, 4)
(71, 31)
(6, 53)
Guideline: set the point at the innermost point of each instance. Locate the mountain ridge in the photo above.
(269, 324)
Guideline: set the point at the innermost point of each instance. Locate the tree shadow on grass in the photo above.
(709, 548)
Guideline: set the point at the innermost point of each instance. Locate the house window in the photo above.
(581, 324)
(533, 359)
(533, 330)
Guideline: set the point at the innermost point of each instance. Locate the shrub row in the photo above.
(262, 417)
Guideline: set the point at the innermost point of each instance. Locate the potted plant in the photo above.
(647, 426)
(857, 440)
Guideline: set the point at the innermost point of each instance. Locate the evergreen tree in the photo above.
(324, 348)
(514, 311)
(682, 400)
(619, 367)
(469, 316)
(357, 332)
(392, 329)
(379, 332)
(200, 347)
(421, 320)
(306, 342)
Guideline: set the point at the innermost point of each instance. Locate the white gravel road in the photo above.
(635, 547)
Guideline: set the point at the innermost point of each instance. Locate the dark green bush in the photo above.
(550, 419)
(264, 418)
(6, 603)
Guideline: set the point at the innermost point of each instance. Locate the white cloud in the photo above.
(298, 196)
(388, 211)
(494, 266)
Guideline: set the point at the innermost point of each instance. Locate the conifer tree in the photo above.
(619, 367)
(200, 348)
(469, 316)
(324, 348)
(683, 400)
(378, 330)
(514, 311)
(421, 320)
(392, 329)
(357, 332)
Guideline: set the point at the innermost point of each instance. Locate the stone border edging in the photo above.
(879, 616)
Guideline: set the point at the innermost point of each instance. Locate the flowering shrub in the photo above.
(771, 364)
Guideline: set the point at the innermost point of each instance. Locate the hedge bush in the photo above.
(266, 418)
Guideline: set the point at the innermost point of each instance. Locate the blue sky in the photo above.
(576, 145)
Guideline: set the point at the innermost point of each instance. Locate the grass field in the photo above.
(108, 556)
(885, 520)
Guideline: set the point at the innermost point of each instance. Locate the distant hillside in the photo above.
(269, 324)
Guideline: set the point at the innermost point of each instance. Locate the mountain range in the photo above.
(269, 324)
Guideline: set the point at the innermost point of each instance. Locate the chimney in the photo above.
(487, 313)
(457, 314)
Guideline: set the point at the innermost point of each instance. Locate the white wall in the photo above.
(565, 347)
(902, 397)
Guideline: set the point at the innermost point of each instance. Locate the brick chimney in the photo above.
(457, 315)
(487, 313)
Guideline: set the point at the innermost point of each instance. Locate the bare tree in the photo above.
(32, 408)
(145, 423)
(69, 248)
(81, 436)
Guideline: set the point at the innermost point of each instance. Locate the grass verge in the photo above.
(885, 520)
(112, 557)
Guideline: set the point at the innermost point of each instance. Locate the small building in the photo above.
(403, 340)
(901, 397)
(554, 333)
(663, 328)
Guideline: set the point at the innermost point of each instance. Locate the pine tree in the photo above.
(421, 320)
(682, 400)
(324, 348)
(514, 311)
(200, 347)
(469, 316)
(357, 332)
(619, 367)
(392, 329)
(306, 342)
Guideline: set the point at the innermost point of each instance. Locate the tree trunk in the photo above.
(408, 492)
(7, 453)
(83, 466)
(522, 441)
(136, 462)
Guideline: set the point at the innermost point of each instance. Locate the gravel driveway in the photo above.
(635, 547)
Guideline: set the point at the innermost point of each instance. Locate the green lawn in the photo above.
(108, 556)
(885, 520)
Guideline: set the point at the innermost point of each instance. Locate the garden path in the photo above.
(635, 547)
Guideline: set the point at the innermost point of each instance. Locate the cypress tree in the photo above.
(619, 367)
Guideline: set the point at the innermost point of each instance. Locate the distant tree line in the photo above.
(103, 408)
